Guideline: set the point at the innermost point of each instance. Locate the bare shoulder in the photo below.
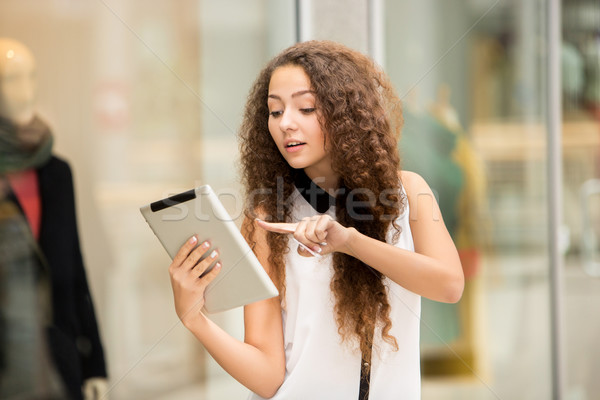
(421, 199)
(413, 183)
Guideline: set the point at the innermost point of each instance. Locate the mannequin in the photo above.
(40, 185)
(468, 232)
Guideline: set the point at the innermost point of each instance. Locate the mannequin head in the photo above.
(17, 82)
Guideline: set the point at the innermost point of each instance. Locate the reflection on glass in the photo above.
(146, 99)
(580, 59)
(473, 90)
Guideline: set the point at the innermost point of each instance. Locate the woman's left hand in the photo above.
(320, 233)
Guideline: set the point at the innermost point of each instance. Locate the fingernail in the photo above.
(317, 249)
(213, 254)
(217, 265)
(205, 245)
(193, 239)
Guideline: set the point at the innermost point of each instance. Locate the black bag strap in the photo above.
(365, 377)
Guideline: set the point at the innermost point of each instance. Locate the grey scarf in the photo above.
(24, 147)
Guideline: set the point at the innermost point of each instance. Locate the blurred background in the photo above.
(145, 99)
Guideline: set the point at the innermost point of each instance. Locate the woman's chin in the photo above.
(297, 164)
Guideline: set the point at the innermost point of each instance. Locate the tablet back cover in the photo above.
(174, 220)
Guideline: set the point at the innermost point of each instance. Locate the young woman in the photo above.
(319, 160)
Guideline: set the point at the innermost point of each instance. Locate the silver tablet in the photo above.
(174, 220)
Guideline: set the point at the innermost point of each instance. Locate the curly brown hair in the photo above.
(361, 116)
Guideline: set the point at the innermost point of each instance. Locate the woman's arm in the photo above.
(259, 362)
(434, 269)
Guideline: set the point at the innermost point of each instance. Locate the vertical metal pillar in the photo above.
(555, 204)
(376, 31)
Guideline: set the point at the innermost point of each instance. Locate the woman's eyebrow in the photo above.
(295, 94)
(302, 93)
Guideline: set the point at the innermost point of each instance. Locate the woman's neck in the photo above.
(326, 180)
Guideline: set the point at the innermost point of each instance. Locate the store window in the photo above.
(145, 99)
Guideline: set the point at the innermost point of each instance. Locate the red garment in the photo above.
(26, 188)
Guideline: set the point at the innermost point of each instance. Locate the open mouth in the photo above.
(294, 144)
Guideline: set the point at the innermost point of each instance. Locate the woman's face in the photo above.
(294, 123)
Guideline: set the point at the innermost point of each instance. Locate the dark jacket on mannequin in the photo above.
(73, 336)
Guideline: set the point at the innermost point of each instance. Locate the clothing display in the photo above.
(74, 339)
(318, 364)
(26, 368)
(71, 331)
(426, 148)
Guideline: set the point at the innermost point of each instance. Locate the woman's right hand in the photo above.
(188, 286)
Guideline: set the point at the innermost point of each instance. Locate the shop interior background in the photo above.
(145, 99)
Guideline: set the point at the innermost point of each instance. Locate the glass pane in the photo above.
(143, 98)
(471, 74)
(580, 58)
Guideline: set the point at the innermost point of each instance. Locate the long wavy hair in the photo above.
(361, 117)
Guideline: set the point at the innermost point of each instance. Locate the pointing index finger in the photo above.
(277, 227)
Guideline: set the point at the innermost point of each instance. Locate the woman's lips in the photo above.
(293, 149)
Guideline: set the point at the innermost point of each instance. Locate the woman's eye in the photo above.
(275, 113)
(307, 110)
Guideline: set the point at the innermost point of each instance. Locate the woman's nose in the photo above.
(287, 121)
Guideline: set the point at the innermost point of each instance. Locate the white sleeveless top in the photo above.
(318, 364)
